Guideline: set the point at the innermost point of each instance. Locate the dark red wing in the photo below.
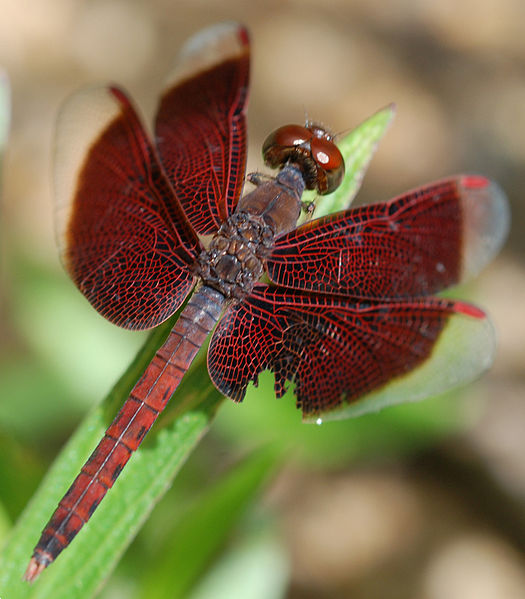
(336, 351)
(123, 236)
(416, 244)
(201, 126)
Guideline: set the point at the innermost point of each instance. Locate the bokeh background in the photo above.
(418, 501)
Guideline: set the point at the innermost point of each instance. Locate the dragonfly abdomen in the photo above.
(146, 401)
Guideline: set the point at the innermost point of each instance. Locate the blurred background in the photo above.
(426, 500)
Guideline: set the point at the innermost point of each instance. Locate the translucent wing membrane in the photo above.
(122, 234)
(201, 126)
(336, 351)
(416, 244)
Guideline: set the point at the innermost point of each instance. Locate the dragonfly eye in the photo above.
(330, 164)
(285, 145)
(312, 149)
(289, 136)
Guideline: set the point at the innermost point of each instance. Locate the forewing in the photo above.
(346, 357)
(122, 234)
(201, 126)
(417, 244)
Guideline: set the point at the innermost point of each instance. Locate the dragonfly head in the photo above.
(312, 149)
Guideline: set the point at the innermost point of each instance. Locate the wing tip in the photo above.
(487, 220)
(464, 350)
(82, 118)
(208, 48)
(474, 181)
(243, 34)
(469, 310)
(215, 35)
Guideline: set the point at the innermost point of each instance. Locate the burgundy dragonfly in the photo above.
(342, 306)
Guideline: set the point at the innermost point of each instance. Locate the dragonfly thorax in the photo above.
(233, 263)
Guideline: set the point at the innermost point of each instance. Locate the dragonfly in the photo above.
(342, 307)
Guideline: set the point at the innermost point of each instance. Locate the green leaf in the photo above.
(81, 570)
(201, 531)
(5, 523)
(357, 149)
(20, 472)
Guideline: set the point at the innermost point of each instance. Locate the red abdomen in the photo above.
(147, 399)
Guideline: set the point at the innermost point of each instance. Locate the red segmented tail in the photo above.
(147, 399)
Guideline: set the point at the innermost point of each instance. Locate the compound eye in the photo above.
(291, 135)
(312, 150)
(326, 153)
(279, 145)
(329, 161)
